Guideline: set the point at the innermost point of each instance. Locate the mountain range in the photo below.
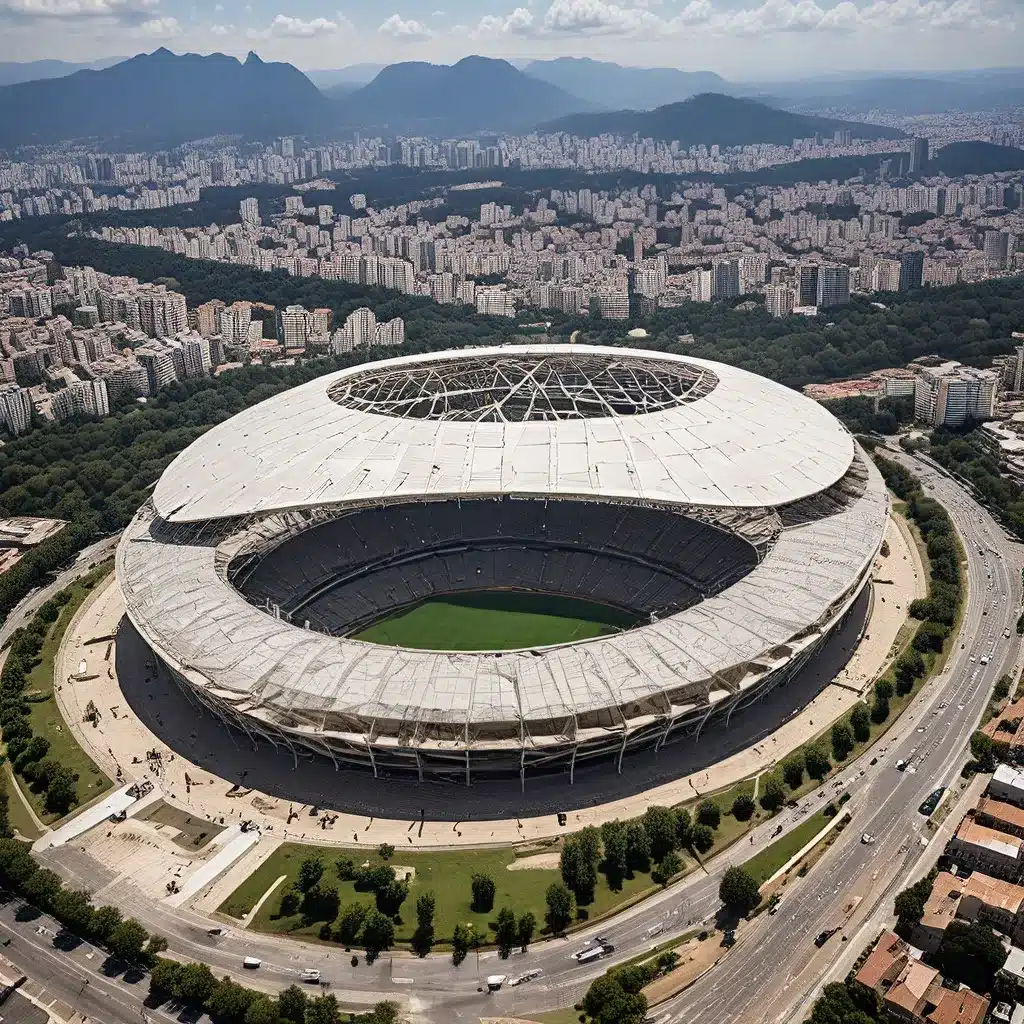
(611, 86)
(165, 99)
(714, 119)
(477, 94)
(161, 99)
(13, 71)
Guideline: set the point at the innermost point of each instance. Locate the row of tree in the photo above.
(27, 752)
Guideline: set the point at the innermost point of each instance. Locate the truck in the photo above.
(495, 981)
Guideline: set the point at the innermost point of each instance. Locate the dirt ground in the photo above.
(695, 958)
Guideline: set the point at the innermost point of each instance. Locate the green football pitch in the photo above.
(495, 620)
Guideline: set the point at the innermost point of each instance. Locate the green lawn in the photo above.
(44, 714)
(447, 874)
(764, 864)
(494, 620)
(17, 815)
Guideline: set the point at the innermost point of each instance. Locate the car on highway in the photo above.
(822, 937)
(521, 979)
(901, 765)
(931, 802)
(251, 963)
(867, 839)
(309, 974)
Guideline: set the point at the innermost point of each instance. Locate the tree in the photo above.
(883, 689)
(743, 807)
(321, 903)
(818, 764)
(423, 937)
(310, 871)
(195, 984)
(683, 826)
(505, 932)
(860, 722)
(842, 740)
(525, 928)
(323, 1010)
(385, 851)
(971, 954)
(879, 709)
(291, 1004)
(739, 891)
(638, 847)
(616, 857)
(671, 864)
(561, 908)
(773, 796)
(462, 943)
(484, 889)
(908, 669)
(660, 824)
(607, 1002)
(578, 872)
(127, 940)
(709, 813)
(163, 979)
(391, 897)
(229, 1000)
(73, 908)
(345, 869)
(42, 888)
(984, 752)
(378, 934)
(61, 794)
(384, 1012)
(262, 1010)
(702, 838)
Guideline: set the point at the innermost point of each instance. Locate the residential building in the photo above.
(833, 285)
(919, 155)
(779, 300)
(88, 398)
(911, 271)
(949, 394)
(984, 849)
(249, 209)
(1007, 784)
(296, 326)
(979, 897)
(15, 408)
(158, 362)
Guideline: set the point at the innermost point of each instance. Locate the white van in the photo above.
(250, 963)
(495, 981)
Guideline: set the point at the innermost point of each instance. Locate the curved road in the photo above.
(775, 968)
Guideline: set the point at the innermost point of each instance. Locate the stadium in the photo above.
(505, 561)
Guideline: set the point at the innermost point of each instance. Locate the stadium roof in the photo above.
(557, 419)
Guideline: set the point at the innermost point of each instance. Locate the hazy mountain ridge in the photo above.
(164, 98)
(714, 119)
(615, 87)
(477, 94)
(12, 71)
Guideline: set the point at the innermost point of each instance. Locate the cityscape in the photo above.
(524, 529)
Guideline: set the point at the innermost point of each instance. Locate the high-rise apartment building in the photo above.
(911, 270)
(726, 279)
(88, 398)
(249, 209)
(208, 317)
(808, 282)
(158, 362)
(15, 408)
(885, 276)
(779, 300)
(295, 327)
(949, 394)
(918, 155)
(833, 285)
(701, 286)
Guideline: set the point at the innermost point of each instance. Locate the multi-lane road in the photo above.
(775, 969)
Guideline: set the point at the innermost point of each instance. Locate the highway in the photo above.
(775, 968)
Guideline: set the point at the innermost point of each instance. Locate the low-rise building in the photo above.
(984, 849)
(1008, 784)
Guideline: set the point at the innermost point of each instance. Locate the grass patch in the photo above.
(447, 874)
(495, 620)
(764, 864)
(45, 716)
(17, 814)
(566, 1016)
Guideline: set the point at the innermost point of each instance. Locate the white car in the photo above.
(310, 974)
(526, 976)
(867, 839)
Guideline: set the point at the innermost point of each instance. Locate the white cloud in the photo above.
(410, 31)
(127, 11)
(285, 27)
(607, 17)
(159, 28)
(221, 30)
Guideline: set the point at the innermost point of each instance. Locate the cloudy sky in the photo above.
(743, 39)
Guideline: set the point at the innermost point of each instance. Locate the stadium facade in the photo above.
(737, 521)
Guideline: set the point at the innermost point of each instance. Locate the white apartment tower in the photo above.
(949, 394)
(15, 408)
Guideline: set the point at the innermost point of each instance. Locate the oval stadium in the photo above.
(500, 562)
